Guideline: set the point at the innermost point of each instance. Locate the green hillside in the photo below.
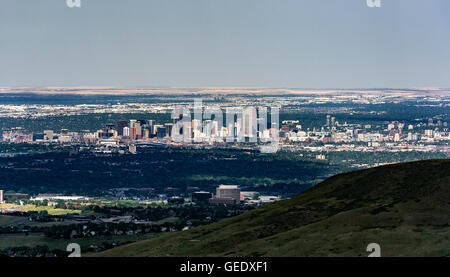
(403, 207)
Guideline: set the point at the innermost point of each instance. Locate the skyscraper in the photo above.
(169, 127)
(161, 132)
(126, 132)
(120, 125)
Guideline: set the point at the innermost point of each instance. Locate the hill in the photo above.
(403, 207)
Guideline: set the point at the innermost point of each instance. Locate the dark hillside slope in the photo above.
(403, 207)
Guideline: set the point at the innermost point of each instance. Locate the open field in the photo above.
(7, 220)
(33, 208)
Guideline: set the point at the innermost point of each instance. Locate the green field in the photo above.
(33, 208)
(403, 207)
(49, 210)
(7, 220)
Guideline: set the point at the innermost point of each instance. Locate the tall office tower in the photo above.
(186, 131)
(250, 122)
(132, 133)
(138, 130)
(133, 123)
(207, 129)
(142, 121)
(1, 196)
(161, 132)
(223, 132)
(145, 133)
(135, 129)
(333, 121)
(155, 128)
(111, 130)
(120, 125)
(169, 128)
(328, 120)
(262, 126)
(197, 126)
(150, 124)
(239, 131)
(231, 131)
(126, 131)
(225, 191)
(177, 118)
(215, 128)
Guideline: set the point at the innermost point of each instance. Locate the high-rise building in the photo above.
(142, 121)
(215, 128)
(133, 133)
(145, 133)
(138, 131)
(1, 196)
(161, 132)
(250, 122)
(126, 131)
(169, 128)
(150, 125)
(120, 125)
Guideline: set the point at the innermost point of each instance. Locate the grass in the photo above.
(50, 210)
(7, 220)
(402, 207)
(32, 208)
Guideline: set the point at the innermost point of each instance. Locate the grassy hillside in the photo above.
(404, 207)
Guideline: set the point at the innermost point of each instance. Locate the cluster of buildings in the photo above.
(130, 132)
(336, 136)
(225, 195)
(230, 195)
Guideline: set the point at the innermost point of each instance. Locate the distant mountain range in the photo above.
(199, 91)
(405, 208)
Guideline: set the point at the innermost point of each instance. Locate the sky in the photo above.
(226, 43)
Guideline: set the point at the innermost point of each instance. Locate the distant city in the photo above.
(124, 167)
(333, 135)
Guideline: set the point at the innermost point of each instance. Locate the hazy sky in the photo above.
(262, 43)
